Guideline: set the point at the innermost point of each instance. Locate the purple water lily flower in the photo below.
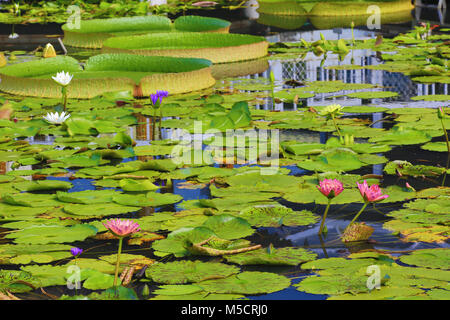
(162, 93)
(76, 251)
(156, 98)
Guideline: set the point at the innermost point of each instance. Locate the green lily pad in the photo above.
(249, 282)
(402, 136)
(435, 146)
(174, 243)
(179, 272)
(275, 216)
(229, 227)
(153, 150)
(387, 293)
(334, 284)
(8, 210)
(18, 281)
(184, 222)
(119, 293)
(203, 295)
(372, 94)
(43, 185)
(270, 256)
(97, 280)
(432, 97)
(428, 258)
(48, 275)
(95, 264)
(176, 290)
(31, 200)
(333, 160)
(407, 169)
(52, 234)
(439, 205)
(151, 199)
(305, 149)
(137, 185)
(87, 197)
(97, 209)
(39, 257)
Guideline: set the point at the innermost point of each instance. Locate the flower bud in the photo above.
(49, 51)
(440, 113)
(272, 77)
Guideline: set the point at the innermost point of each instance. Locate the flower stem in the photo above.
(353, 34)
(76, 284)
(160, 122)
(448, 150)
(336, 126)
(64, 92)
(118, 262)
(446, 136)
(357, 215)
(324, 216)
(153, 123)
(446, 169)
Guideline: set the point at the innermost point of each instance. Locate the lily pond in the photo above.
(168, 150)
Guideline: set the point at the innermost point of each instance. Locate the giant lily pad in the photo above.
(106, 73)
(92, 33)
(216, 47)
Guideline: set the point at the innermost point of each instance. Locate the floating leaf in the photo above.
(97, 209)
(43, 185)
(249, 282)
(281, 256)
(179, 272)
(17, 281)
(372, 95)
(274, 216)
(52, 234)
(228, 227)
(87, 197)
(175, 241)
(137, 185)
(433, 97)
(430, 258)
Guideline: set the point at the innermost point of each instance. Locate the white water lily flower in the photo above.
(55, 118)
(63, 78)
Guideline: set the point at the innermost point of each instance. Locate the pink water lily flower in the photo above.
(122, 228)
(371, 194)
(330, 188)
